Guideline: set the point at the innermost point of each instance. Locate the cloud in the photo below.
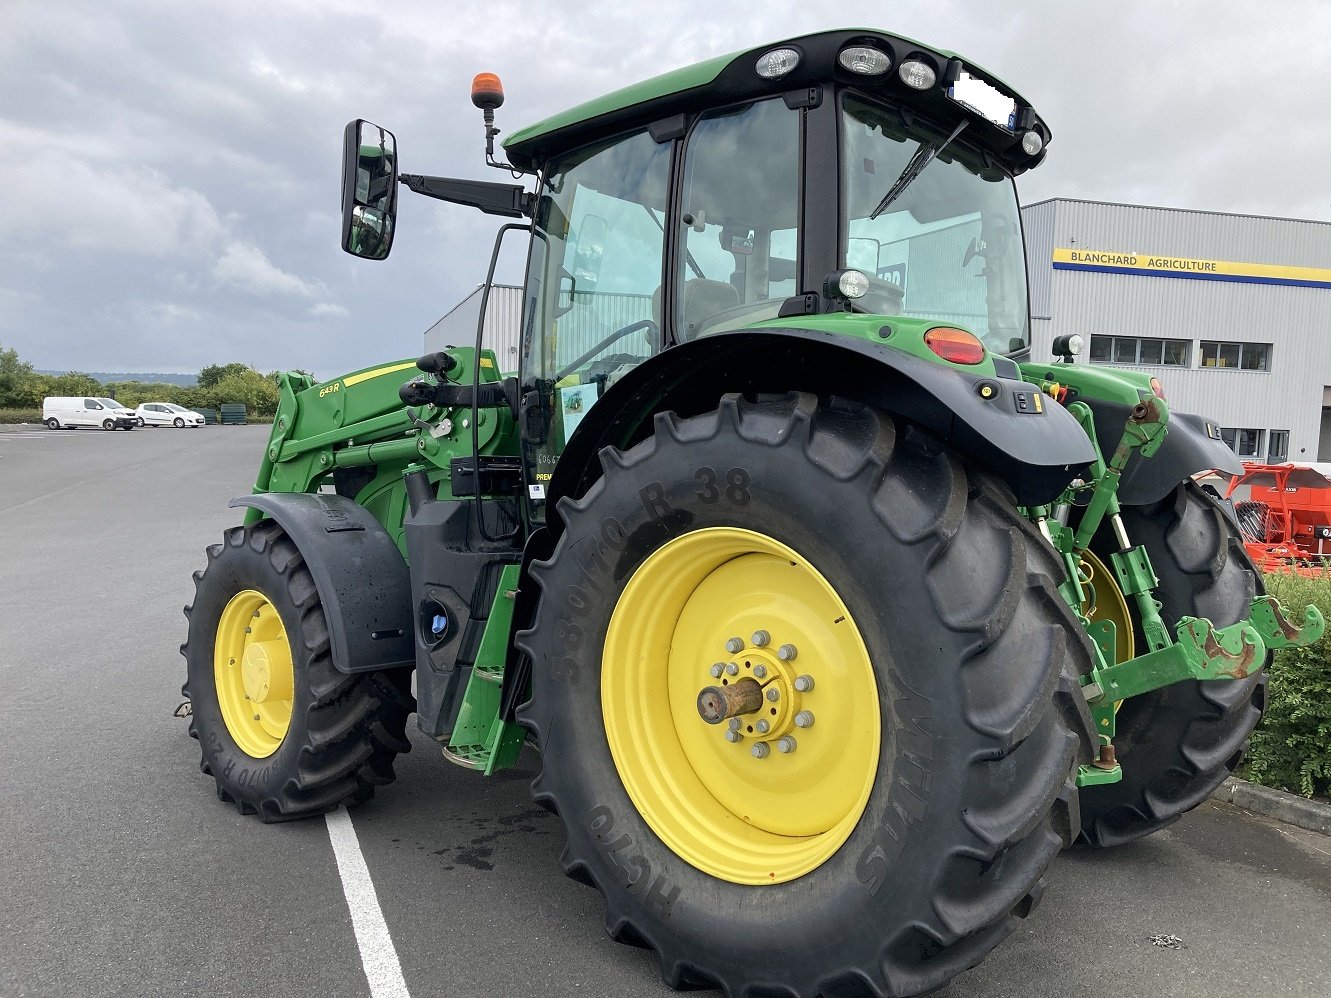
(244, 266)
(328, 310)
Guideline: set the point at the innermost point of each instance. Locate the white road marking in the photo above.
(377, 954)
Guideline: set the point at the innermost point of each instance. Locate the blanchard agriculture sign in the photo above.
(1146, 265)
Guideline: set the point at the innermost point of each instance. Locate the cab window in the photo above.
(593, 305)
(739, 218)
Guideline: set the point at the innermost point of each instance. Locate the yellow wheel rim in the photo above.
(1104, 601)
(745, 805)
(253, 673)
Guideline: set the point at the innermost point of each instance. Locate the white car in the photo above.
(167, 414)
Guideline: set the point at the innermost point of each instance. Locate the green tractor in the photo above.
(833, 614)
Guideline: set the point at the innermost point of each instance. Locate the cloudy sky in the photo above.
(171, 199)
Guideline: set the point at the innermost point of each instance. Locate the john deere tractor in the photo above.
(833, 613)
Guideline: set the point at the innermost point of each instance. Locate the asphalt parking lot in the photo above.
(121, 873)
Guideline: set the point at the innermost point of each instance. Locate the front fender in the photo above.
(361, 576)
(1036, 448)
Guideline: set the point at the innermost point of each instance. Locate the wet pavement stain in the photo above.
(477, 852)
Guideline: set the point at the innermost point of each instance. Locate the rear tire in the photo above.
(971, 658)
(53, 423)
(1179, 743)
(140, 421)
(332, 739)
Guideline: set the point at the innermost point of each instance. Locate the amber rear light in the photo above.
(1157, 388)
(955, 345)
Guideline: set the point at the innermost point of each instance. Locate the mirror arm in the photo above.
(508, 200)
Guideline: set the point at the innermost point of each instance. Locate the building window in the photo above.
(1243, 442)
(1242, 356)
(1139, 350)
(1277, 446)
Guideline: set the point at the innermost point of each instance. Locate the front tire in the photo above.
(282, 731)
(108, 424)
(139, 420)
(178, 423)
(1179, 743)
(908, 829)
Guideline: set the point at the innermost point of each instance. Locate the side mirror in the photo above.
(369, 189)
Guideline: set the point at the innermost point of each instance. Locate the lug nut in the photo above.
(785, 744)
(762, 727)
(760, 638)
(804, 683)
(732, 669)
(787, 653)
(804, 719)
(760, 750)
(734, 724)
(760, 671)
(735, 645)
(773, 694)
(733, 736)
(717, 669)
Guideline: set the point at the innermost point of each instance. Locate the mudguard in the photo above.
(1002, 424)
(359, 572)
(1191, 445)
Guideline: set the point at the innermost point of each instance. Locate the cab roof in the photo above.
(733, 78)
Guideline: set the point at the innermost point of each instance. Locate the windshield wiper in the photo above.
(922, 158)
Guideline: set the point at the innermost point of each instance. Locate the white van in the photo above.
(65, 411)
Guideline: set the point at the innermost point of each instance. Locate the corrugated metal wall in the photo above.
(1295, 321)
(503, 325)
(594, 316)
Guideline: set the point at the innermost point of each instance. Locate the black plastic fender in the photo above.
(1004, 425)
(361, 576)
(1192, 444)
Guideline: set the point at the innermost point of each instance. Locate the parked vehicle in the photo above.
(819, 596)
(167, 414)
(70, 412)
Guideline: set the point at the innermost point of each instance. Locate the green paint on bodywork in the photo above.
(902, 333)
(481, 739)
(1103, 384)
(358, 421)
(698, 77)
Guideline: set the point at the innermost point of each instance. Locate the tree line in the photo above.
(23, 388)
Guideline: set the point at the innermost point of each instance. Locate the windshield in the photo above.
(110, 403)
(948, 245)
(175, 408)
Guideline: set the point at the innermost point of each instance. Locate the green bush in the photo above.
(20, 415)
(1291, 749)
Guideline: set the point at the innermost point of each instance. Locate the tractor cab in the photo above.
(845, 172)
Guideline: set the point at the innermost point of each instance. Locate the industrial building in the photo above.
(1231, 312)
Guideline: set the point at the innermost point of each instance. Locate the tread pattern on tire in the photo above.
(353, 725)
(1179, 743)
(1025, 729)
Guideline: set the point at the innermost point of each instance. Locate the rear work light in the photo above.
(955, 345)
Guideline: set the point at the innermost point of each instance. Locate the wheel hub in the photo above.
(775, 704)
(715, 742)
(253, 673)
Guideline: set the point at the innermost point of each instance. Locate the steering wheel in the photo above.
(614, 337)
